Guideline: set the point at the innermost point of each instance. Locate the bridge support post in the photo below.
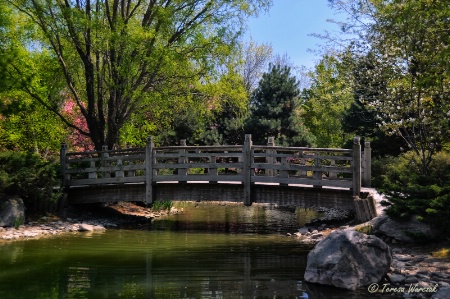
(367, 165)
(356, 166)
(149, 171)
(247, 153)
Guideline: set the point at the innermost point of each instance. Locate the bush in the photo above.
(412, 193)
(30, 177)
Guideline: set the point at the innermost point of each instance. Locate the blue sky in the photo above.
(287, 26)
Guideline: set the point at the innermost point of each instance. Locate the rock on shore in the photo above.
(34, 230)
(348, 259)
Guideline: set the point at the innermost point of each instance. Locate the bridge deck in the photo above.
(291, 195)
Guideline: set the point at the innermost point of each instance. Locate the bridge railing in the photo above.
(104, 167)
(247, 164)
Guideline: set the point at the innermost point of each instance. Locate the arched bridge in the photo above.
(296, 176)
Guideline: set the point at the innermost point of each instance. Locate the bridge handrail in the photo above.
(247, 164)
(306, 149)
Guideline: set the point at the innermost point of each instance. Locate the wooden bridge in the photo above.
(296, 176)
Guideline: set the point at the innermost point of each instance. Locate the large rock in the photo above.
(443, 293)
(405, 231)
(12, 212)
(348, 259)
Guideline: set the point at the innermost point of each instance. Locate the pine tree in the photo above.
(275, 109)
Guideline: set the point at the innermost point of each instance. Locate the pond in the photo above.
(208, 251)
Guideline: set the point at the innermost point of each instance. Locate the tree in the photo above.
(327, 99)
(255, 60)
(405, 46)
(275, 109)
(25, 126)
(115, 56)
(363, 121)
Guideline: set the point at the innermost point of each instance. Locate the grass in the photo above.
(365, 229)
(18, 222)
(165, 205)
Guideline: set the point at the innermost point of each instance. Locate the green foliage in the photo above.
(411, 193)
(30, 177)
(165, 205)
(213, 112)
(403, 49)
(18, 222)
(362, 120)
(365, 229)
(326, 101)
(28, 127)
(276, 111)
(114, 59)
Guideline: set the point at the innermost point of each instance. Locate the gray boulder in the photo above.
(12, 212)
(348, 259)
(443, 293)
(403, 231)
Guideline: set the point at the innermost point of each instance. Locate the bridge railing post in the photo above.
(270, 158)
(367, 165)
(247, 155)
(182, 159)
(356, 166)
(62, 160)
(92, 174)
(317, 174)
(149, 171)
(104, 163)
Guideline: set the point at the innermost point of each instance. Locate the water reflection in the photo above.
(130, 264)
(228, 252)
(236, 218)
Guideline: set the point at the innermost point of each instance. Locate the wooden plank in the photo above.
(213, 167)
(367, 165)
(356, 166)
(149, 171)
(305, 149)
(303, 181)
(299, 167)
(203, 148)
(100, 181)
(96, 159)
(307, 156)
(197, 165)
(196, 155)
(112, 168)
(246, 170)
(181, 160)
(130, 150)
(199, 178)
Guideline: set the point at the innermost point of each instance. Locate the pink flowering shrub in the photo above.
(76, 140)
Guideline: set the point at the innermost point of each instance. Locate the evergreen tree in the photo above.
(276, 111)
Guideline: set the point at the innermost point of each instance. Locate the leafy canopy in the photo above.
(114, 58)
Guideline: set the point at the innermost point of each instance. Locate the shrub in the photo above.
(412, 193)
(30, 177)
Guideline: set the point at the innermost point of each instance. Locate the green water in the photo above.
(193, 255)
